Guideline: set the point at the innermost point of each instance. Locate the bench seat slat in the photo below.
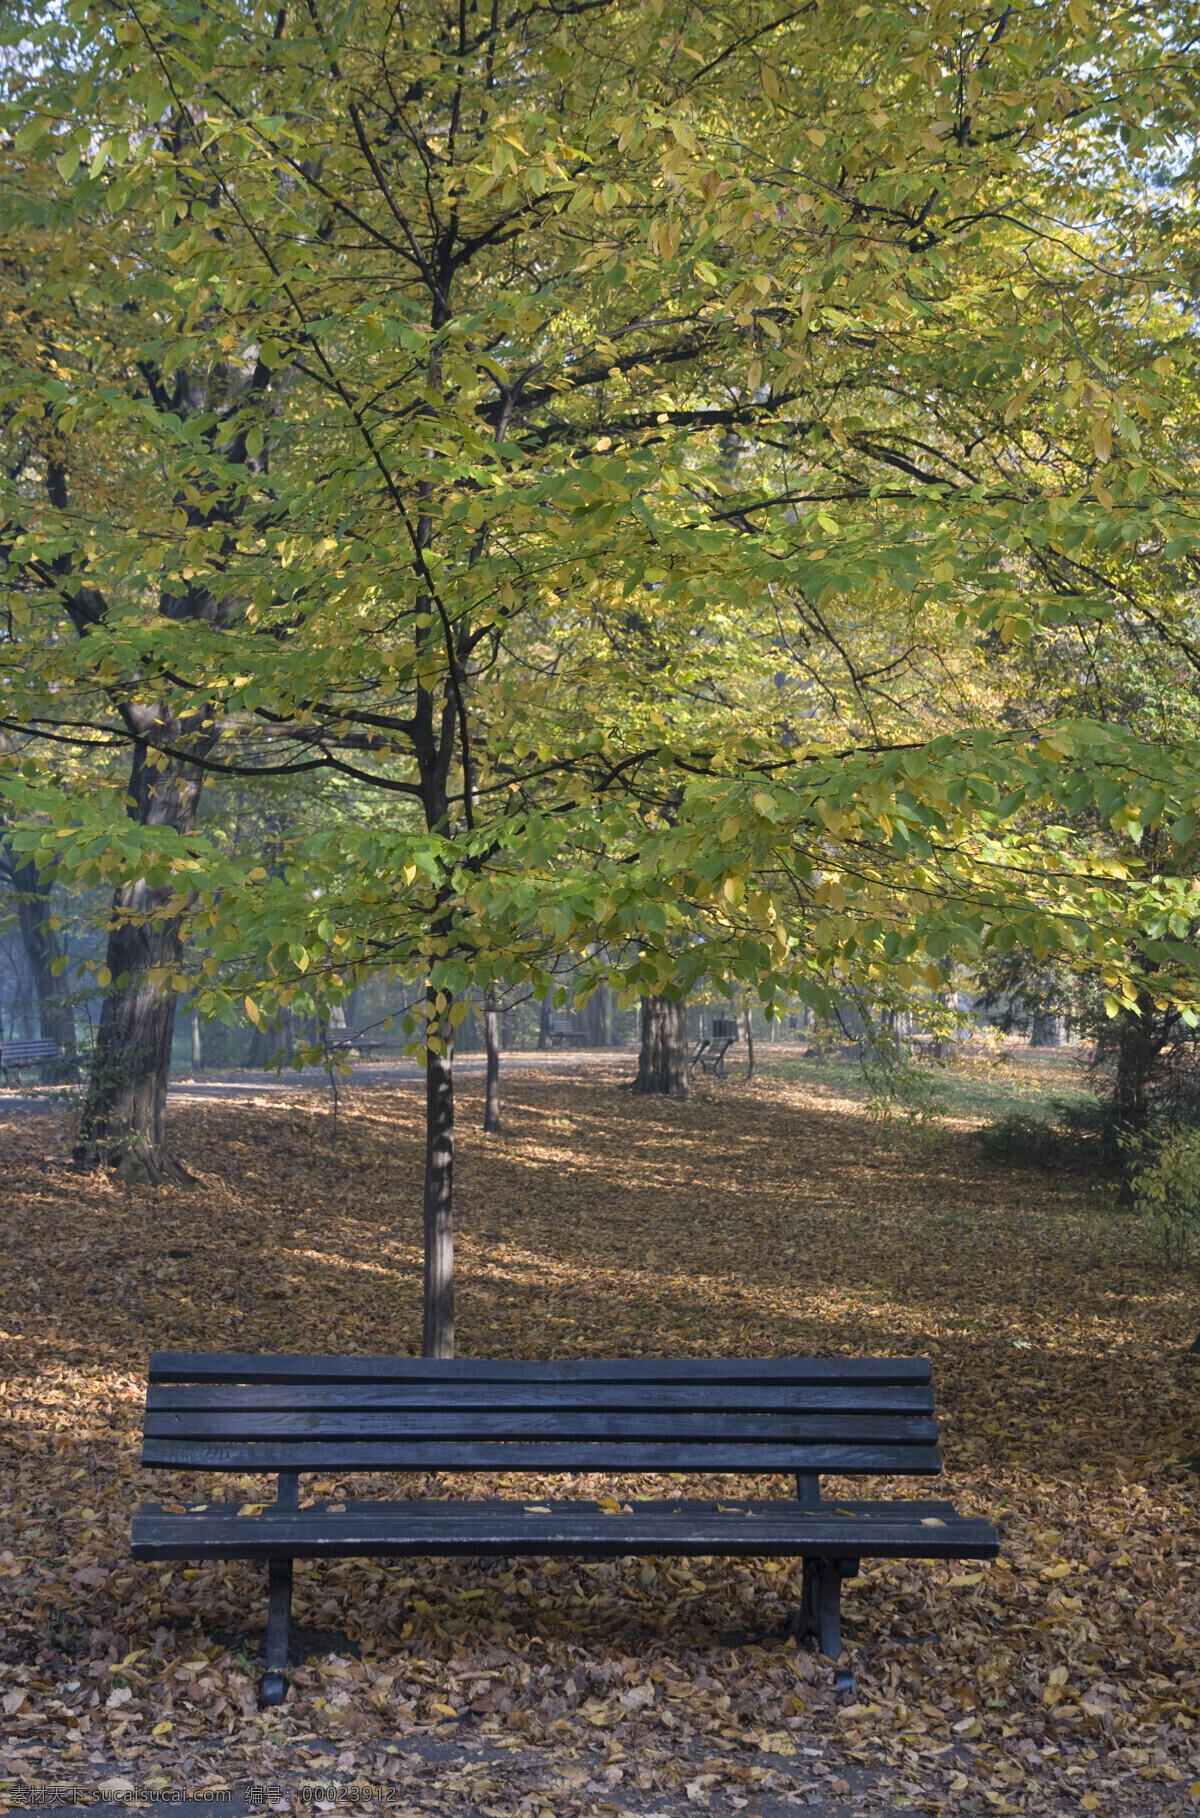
(418, 1454)
(233, 1366)
(533, 1398)
(554, 1428)
(744, 1530)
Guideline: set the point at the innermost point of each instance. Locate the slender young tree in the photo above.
(491, 1036)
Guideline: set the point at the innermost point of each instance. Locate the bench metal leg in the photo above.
(279, 1622)
(279, 1602)
(819, 1618)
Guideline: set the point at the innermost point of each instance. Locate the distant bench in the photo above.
(710, 1055)
(336, 1415)
(355, 1044)
(15, 1055)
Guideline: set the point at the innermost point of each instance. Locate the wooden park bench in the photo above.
(562, 1032)
(15, 1055)
(337, 1415)
(366, 1046)
(710, 1055)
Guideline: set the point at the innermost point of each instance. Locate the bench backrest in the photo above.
(13, 1054)
(859, 1415)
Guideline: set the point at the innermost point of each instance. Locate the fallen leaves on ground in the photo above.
(765, 1220)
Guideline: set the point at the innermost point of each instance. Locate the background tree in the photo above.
(663, 1050)
(31, 892)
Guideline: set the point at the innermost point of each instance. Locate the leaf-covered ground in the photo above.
(758, 1220)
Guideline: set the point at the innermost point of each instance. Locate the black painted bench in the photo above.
(336, 1415)
(15, 1055)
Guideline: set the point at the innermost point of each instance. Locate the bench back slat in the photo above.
(543, 1457)
(236, 1412)
(247, 1367)
(553, 1428)
(526, 1400)
(13, 1052)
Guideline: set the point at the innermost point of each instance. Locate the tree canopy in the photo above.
(615, 445)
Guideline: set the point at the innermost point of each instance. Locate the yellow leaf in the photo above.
(1061, 1570)
(607, 1505)
(252, 1508)
(770, 82)
(1102, 438)
(1090, 1803)
(162, 1729)
(444, 1710)
(932, 1521)
(965, 1578)
(537, 1508)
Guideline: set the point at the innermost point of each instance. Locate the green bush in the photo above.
(1072, 1136)
(1166, 1192)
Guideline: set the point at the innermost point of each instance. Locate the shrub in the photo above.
(1072, 1136)
(1166, 1192)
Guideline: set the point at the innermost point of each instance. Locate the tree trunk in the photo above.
(197, 1051)
(662, 1063)
(122, 1124)
(56, 1019)
(437, 1337)
(1137, 1050)
(1044, 1031)
(545, 1023)
(491, 1032)
(596, 1018)
(259, 1049)
(749, 1046)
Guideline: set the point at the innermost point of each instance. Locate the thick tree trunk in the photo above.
(122, 1124)
(662, 1063)
(749, 1046)
(56, 1019)
(437, 1337)
(545, 1022)
(491, 1032)
(197, 1050)
(1044, 1030)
